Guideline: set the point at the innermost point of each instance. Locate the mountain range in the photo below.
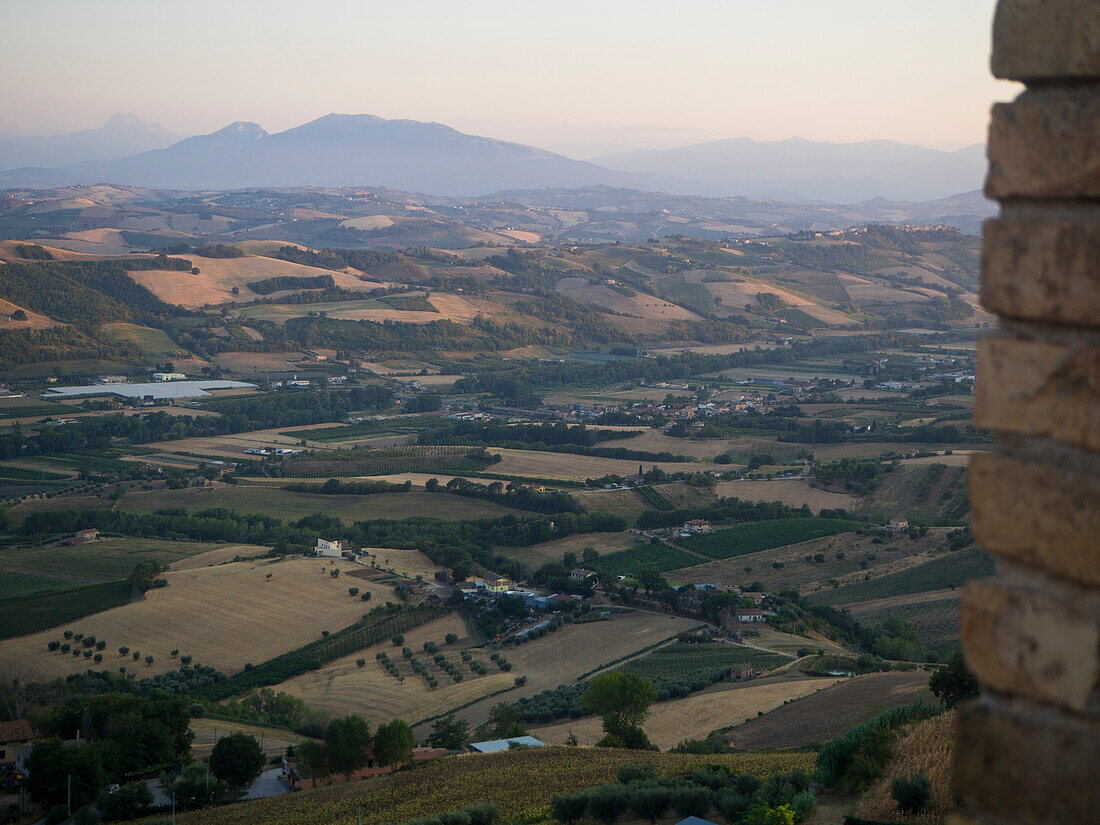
(364, 150)
(120, 136)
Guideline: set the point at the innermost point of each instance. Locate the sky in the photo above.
(580, 78)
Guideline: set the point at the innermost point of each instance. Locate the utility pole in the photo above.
(173, 809)
(69, 794)
(359, 815)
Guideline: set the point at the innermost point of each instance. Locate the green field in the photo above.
(661, 556)
(274, 501)
(673, 668)
(752, 537)
(153, 343)
(29, 615)
(951, 570)
(935, 623)
(28, 571)
(35, 410)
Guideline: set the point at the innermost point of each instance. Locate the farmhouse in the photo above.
(331, 549)
(169, 376)
(498, 584)
(15, 743)
(750, 615)
(898, 524)
(697, 526)
(81, 537)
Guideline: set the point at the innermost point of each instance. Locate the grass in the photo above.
(287, 505)
(661, 556)
(153, 343)
(35, 410)
(20, 616)
(949, 571)
(28, 571)
(752, 537)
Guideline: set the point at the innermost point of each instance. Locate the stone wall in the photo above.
(1028, 751)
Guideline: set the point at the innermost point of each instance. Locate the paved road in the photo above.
(267, 785)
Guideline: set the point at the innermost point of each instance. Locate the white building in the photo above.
(169, 376)
(332, 549)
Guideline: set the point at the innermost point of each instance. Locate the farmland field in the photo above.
(752, 537)
(633, 559)
(695, 716)
(28, 570)
(792, 492)
(536, 555)
(287, 505)
(342, 687)
(267, 616)
(580, 467)
(579, 650)
(951, 570)
(520, 783)
(272, 741)
(828, 713)
(28, 614)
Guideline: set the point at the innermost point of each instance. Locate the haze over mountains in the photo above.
(121, 135)
(343, 150)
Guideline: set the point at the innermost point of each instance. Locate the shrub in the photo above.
(803, 804)
(568, 808)
(52, 646)
(732, 805)
(185, 659)
(100, 645)
(450, 638)
(398, 640)
(520, 681)
(353, 591)
(148, 660)
(175, 653)
(360, 662)
(692, 800)
(364, 596)
(97, 658)
(122, 651)
(608, 803)
(912, 793)
(137, 655)
(637, 772)
(68, 634)
(650, 802)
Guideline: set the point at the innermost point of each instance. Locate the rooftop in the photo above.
(157, 389)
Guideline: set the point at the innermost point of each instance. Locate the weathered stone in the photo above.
(1039, 388)
(1042, 517)
(1034, 638)
(1046, 39)
(1033, 765)
(1042, 269)
(1045, 144)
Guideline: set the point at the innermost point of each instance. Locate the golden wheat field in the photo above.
(925, 749)
(342, 687)
(695, 716)
(568, 466)
(223, 616)
(519, 782)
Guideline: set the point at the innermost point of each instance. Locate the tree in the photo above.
(912, 793)
(393, 743)
(953, 683)
(504, 722)
(237, 760)
(650, 802)
(567, 808)
(127, 800)
(450, 733)
(196, 783)
(312, 757)
(608, 803)
(50, 765)
(347, 744)
(622, 700)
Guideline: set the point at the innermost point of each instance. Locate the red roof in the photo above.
(17, 731)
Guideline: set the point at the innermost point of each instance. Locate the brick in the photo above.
(1043, 269)
(1035, 639)
(1039, 388)
(1031, 765)
(1046, 39)
(1046, 518)
(1045, 144)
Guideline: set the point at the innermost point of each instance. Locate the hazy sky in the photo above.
(575, 77)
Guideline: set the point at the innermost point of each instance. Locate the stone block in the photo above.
(1042, 269)
(1039, 388)
(1034, 638)
(1042, 517)
(1032, 765)
(1046, 144)
(1046, 39)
